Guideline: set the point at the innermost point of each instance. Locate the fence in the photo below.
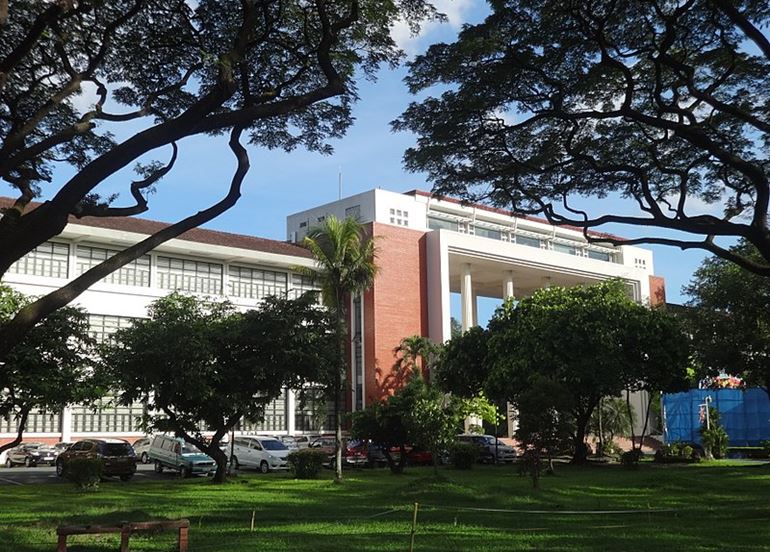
(745, 415)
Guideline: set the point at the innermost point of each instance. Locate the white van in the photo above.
(263, 453)
(175, 454)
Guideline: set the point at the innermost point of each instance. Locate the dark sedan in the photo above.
(30, 454)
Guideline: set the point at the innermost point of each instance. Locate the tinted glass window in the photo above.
(116, 449)
(273, 445)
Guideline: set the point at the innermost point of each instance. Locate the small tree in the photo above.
(417, 355)
(201, 366)
(545, 423)
(611, 419)
(346, 265)
(52, 367)
(713, 435)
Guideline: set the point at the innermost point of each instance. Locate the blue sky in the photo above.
(369, 156)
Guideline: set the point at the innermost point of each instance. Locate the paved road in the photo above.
(46, 474)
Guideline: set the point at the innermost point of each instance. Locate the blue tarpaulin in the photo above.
(745, 415)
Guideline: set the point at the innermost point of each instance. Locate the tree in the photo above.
(662, 103)
(282, 72)
(593, 341)
(611, 419)
(417, 355)
(463, 368)
(729, 318)
(52, 367)
(544, 423)
(346, 266)
(201, 366)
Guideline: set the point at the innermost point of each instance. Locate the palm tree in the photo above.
(346, 266)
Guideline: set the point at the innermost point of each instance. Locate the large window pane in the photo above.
(526, 240)
(47, 259)
(135, 273)
(254, 283)
(435, 223)
(186, 275)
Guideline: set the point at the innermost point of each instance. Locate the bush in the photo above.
(630, 458)
(677, 453)
(85, 473)
(306, 463)
(715, 440)
(464, 455)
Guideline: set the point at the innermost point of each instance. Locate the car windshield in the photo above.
(116, 449)
(190, 449)
(273, 445)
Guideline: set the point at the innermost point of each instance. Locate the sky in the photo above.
(369, 156)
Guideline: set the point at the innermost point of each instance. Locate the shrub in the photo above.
(673, 453)
(306, 463)
(715, 440)
(766, 446)
(85, 473)
(464, 455)
(630, 458)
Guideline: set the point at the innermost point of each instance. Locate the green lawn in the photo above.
(718, 506)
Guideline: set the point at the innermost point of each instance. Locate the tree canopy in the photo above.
(590, 341)
(278, 73)
(729, 316)
(200, 366)
(51, 368)
(664, 103)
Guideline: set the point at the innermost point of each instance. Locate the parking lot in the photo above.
(47, 474)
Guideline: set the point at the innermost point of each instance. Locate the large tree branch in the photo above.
(27, 317)
(741, 21)
(21, 426)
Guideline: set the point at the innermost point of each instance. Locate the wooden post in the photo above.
(414, 527)
(125, 533)
(183, 539)
(62, 547)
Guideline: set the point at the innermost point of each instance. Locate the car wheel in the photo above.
(60, 468)
(144, 458)
(8, 463)
(126, 476)
(158, 467)
(184, 472)
(28, 462)
(263, 467)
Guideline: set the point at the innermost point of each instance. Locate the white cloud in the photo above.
(456, 12)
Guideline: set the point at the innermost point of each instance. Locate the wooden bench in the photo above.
(125, 529)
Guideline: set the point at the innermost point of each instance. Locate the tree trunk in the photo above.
(600, 451)
(220, 458)
(580, 456)
(19, 432)
(631, 419)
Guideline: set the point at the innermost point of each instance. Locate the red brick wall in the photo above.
(396, 307)
(657, 290)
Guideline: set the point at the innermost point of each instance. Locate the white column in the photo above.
(291, 407)
(475, 309)
(66, 424)
(466, 298)
(508, 284)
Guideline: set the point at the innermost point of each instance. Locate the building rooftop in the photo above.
(198, 235)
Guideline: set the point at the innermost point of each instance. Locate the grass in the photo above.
(714, 506)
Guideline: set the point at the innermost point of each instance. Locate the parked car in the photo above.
(174, 453)
(303, 441)
(61, 447)
(354, 452)
(290, 441)
(262, 453)
(30, 454)
(142, 449)
(418, 457)
(491, 449)
(116, 455)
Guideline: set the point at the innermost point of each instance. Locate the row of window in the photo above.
(435, 223)
(106, 417)
(51, 259)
